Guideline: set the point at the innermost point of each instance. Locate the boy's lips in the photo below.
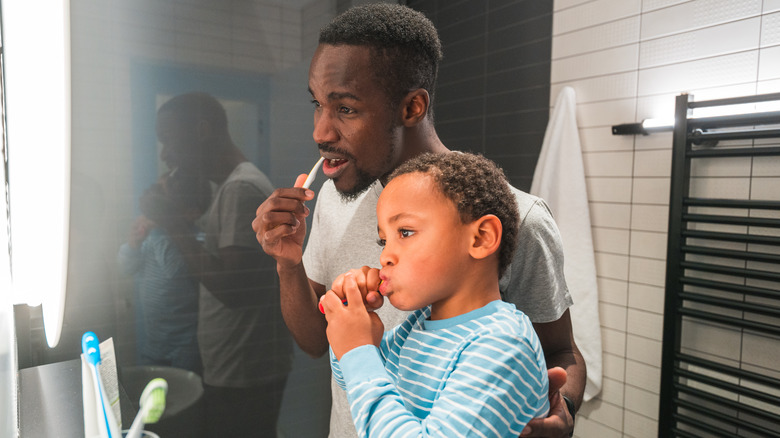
(384, 286)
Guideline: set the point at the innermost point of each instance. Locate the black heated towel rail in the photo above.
(722, 278)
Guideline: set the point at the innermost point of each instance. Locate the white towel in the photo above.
(559, 179)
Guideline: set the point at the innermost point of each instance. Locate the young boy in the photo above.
(167, 292)
(464, 362)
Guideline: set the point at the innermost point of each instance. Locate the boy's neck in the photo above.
(475, 293)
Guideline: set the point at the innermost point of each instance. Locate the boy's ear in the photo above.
(414, 107)
(486, 236)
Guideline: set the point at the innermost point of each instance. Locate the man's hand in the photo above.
(351, 325)
(280, 223)
(559, 422)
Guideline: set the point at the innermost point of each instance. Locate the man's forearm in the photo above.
(576, 374)
(299, 309)
(560, 350)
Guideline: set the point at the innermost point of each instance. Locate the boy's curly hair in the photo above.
(405, 46)
(477, 186)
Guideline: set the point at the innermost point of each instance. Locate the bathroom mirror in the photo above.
(127, 59)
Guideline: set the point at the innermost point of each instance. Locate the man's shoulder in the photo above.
(248, 175)
(531, 207)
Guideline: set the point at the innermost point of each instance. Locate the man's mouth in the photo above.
(332, 167)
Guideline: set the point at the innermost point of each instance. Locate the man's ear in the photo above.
(415, 107)
(486, 236)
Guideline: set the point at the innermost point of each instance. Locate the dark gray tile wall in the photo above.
(493, 94)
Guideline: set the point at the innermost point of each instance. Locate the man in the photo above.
(372, 79)
(246, 350)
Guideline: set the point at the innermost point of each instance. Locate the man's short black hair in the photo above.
(404, 44)
(194, 107)
(477, 187)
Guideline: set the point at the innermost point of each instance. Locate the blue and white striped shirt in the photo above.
(480, 374)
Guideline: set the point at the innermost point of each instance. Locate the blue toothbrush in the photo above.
(107, 423)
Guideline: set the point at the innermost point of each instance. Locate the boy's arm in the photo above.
(129, 259)
(496, 387)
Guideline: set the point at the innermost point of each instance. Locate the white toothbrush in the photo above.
(107, 424)
(312, 174)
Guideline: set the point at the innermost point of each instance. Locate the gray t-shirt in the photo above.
(343, 236)
(250, 345)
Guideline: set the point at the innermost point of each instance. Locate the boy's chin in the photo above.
(400, 304)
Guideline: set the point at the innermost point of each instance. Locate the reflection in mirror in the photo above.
(129, 59)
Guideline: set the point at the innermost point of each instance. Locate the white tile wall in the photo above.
(642, 402)
(612, 291)
(693, 15)
(647, 244)
(627, 61)
(612, 392)
(609, 189)
(646, 297)
(610, 240)
(596, 38)
(593, 13)
(601, 139)
(712, 41)
(639, 426)
(651, 190)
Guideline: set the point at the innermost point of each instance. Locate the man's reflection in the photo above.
(245, 347)
(168, 293)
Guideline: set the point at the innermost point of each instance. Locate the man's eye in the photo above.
(346, 110)
(381, 242)
(405, 233)
(315, 103)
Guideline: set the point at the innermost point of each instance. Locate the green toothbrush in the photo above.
(152, 406)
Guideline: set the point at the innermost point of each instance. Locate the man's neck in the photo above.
(226, 164)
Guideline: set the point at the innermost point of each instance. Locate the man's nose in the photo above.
(324, 129)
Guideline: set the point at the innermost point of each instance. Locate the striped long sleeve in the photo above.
(481, 374)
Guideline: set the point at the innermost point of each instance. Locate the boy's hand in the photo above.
(367, 280)
(351, 325)
(139, 231)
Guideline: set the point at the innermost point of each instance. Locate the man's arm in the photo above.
(560, 350)
(234, 274)
(299, 298)
(280, 228)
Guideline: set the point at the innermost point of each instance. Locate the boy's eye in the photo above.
(381, 242)
(405, 233)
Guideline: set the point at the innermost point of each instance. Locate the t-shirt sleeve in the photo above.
(535, 281)
(237, 209)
